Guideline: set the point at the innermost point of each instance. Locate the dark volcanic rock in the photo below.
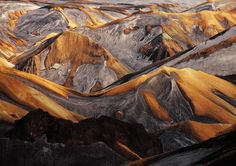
(32, 126)
(40, 153)
(230, 78)
(4, 127)
(155, 49)
(108, 130)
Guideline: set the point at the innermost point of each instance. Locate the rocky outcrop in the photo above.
(131, 141)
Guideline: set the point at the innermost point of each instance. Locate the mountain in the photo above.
(117, 83)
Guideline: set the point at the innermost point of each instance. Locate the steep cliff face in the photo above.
(130, 80)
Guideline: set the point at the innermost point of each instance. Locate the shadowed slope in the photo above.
(216, 151)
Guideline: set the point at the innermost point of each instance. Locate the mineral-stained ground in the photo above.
(115, 83)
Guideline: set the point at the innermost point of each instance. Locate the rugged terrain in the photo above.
(117, 83)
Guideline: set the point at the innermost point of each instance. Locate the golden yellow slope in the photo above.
(25, 95)
(204, 131)
(181, 26)
(10, 112)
